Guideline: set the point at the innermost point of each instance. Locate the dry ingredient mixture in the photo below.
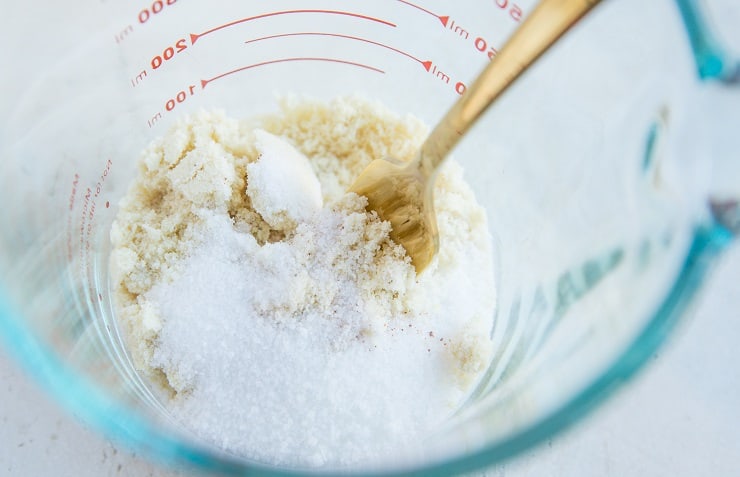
(273, 312)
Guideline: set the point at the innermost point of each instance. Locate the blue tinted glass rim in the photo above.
(711, 58)
(116, 422)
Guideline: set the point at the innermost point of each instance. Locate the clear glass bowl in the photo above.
(601, 170)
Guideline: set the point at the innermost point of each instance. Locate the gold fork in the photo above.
(401, 192)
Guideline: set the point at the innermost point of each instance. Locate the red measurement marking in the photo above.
(442, 18)
(203, 83)
(365, 40)
(194, 37)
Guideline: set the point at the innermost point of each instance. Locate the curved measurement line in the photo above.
(418, 7)
(442, 18)
(338, 35)
(194, 37)
(204, 83)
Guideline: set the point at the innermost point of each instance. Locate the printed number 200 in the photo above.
(168, 53)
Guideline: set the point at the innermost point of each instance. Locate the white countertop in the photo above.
(679, 417)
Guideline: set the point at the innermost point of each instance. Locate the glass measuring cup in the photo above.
(604, 216)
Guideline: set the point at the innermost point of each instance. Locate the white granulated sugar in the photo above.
(283, 188)
(284, 330)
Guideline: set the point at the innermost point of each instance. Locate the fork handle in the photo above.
(547, 22)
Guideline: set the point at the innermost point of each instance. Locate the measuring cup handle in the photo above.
(714, 111)
(541, 29)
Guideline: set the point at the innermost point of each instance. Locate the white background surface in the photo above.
(679, 417)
